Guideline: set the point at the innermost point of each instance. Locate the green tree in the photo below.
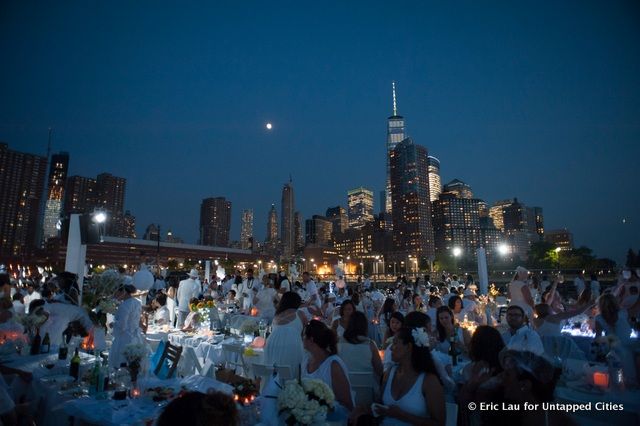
(542, 255)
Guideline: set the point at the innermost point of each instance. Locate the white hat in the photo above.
(193, 274)
(522, 269)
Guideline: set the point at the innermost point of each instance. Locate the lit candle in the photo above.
(381, 352)
(601, 379)
(135, 392)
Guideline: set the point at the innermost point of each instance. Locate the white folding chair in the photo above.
(190, 363)
(264, 372)
(452, 414)
(234, 357)
(362, 385)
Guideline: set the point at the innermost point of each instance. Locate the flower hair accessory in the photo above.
(421, 337)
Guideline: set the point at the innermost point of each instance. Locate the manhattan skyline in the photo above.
(535, 101)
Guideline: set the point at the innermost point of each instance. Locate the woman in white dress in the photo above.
(358, 351)
(126, 325)
(324, 364)
(265, 299)
(412, 393)
(519, 291)
(346, 311)
(284, 346)
(447, 328)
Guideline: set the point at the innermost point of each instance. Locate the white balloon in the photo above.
(143, 280)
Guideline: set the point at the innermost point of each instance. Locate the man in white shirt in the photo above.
(340, 282)
(247, 290)
(313, 302)
(519, 336)
(187, 290)
(32, 295)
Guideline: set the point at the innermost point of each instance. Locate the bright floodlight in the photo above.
(558, 249)
(100, 217)
(503, 249)
(457, 251)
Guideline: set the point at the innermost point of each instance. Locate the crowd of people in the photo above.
(407, 336)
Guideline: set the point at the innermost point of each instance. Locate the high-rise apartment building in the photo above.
(456, 223)
(338, 217)
(412, 229)
(22, 178)
(80, 195)
(110, 192)
(287, 229)
(496, 213)
(152, 233)
(458, 188)
(435, 184)
(360, 202)
(395, 135)
(246, 229)
(561, 238)
(58, 170)
(215, 222)
(318, 230)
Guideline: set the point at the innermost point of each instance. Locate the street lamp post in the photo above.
(558, 250)
(457, 251)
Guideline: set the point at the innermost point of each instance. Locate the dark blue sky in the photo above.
(539, 100)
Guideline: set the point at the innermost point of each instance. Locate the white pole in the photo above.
(207, 270)
(76, 253)
(483, 274)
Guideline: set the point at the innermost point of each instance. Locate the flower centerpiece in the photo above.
(306, 402)
(97, 297)
(249, 327)
(134, 354)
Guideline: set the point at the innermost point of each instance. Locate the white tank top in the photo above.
(412, 402)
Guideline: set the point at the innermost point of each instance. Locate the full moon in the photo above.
(269, 126)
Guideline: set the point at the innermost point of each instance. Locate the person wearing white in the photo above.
(18, 306)
(126, 325)
(284, 285)
(247, 290)
(32, 295)
(313, 301)
(367, 282)
(265, 299)
(161, 316)
(59, 315)
(519, 292)
(340, 283)
(284, 346)
(519, 336)
(187, 290)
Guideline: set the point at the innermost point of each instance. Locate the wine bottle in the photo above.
(453, 352)
(63, 350)
(46, 344)
(35, 343)
(74, 367)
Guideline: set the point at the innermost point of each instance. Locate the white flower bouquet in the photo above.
(108, 306)
(249, 327)
(134, 353)
(305, 404)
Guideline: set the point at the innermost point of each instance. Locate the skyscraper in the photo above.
(412, 230)
(246, 229)
(339, 219)
(318, 230)
(215, 222)
(22, 179)
(288, 235)
(456, 223)
(360, 203)
(272, 225)
(458, 188)
(395, 135)
(496, 213)
(55, 193)
(435, 184)
(298, 223)
(80, 195)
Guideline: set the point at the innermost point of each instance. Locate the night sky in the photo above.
(535, 100)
